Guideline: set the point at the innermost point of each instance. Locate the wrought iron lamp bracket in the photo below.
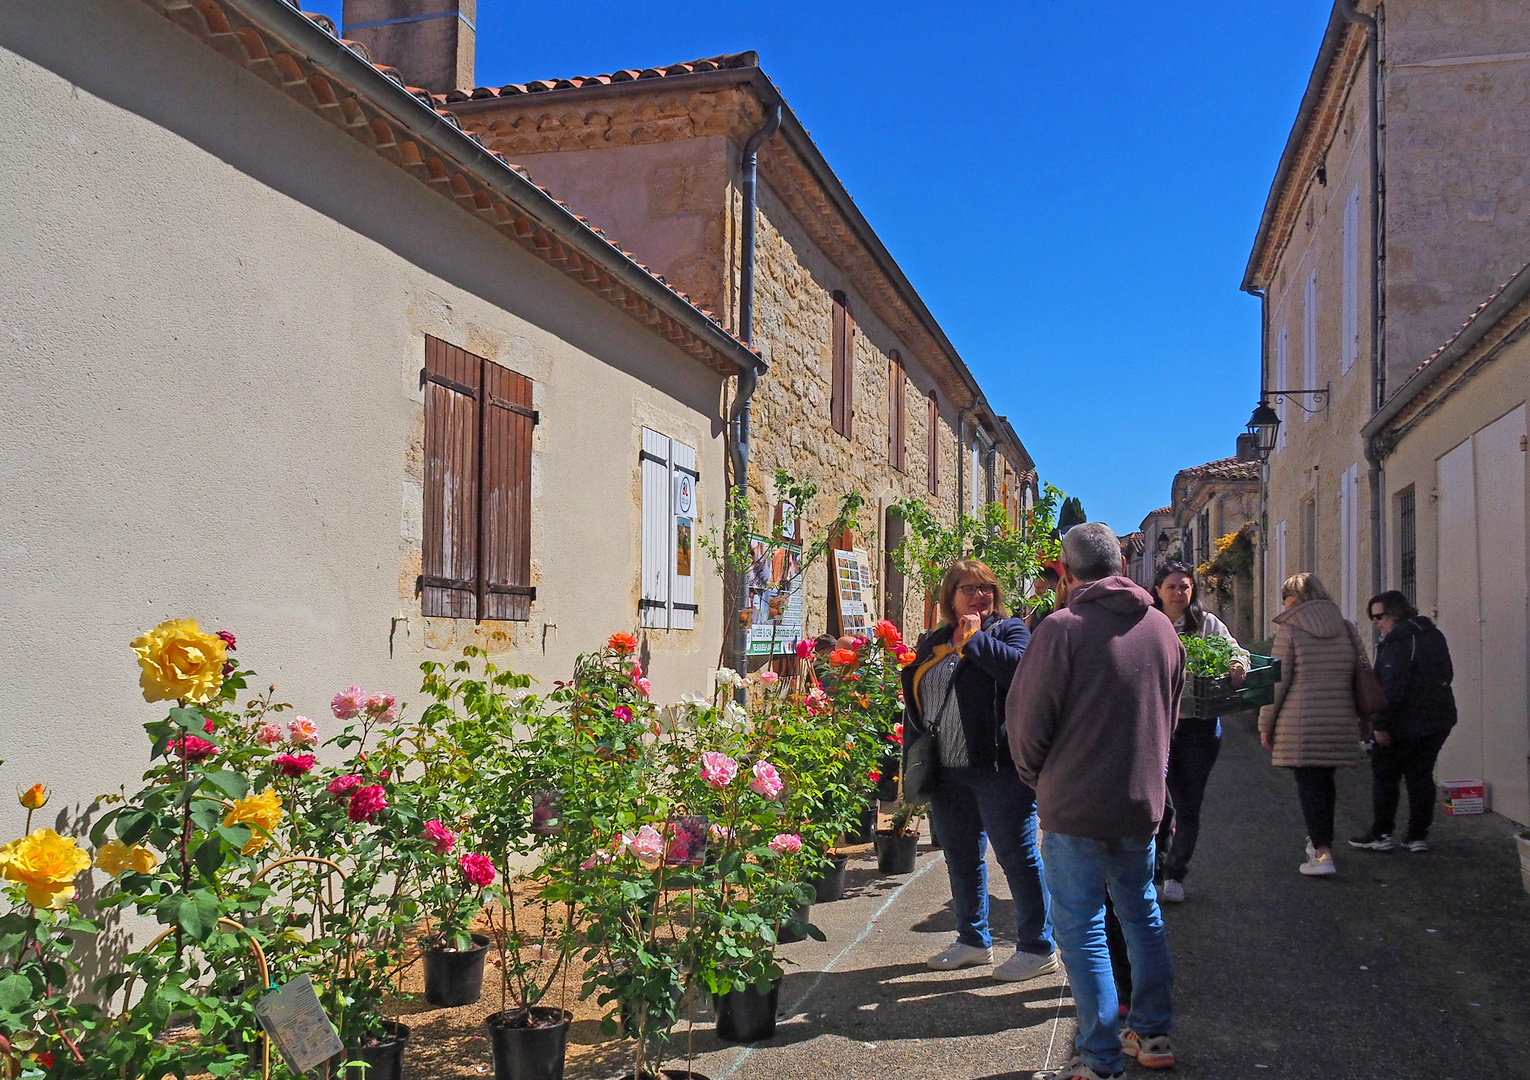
(1319, 398)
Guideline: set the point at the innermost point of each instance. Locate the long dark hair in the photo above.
(1194, 616)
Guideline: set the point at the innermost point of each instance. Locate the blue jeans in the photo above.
(971, 807)
(1079, 872)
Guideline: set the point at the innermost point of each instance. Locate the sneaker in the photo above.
(1418, 847)
(1372, 841)
(1023, 966)
(1074, 1070)
(1151, 1051)
(1318, 865)
(1311, 851)
(1172, 892)
(959, 956)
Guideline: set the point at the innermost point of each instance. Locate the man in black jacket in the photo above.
(1413, 664)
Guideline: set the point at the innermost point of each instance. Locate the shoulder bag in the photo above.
(921, 758)
(1370, 698)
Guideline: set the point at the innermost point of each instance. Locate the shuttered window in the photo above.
(842, 376)
(896, 410)
(476, 558)
(668, 596)
(1349, 330)
(932, 444)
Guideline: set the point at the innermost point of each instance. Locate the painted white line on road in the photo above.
(1062, 992)
(870, 928)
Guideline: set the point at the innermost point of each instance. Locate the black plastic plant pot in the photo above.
(383, 1060)
(895, 852)
(865, 828)
(454, 977)
(529, 1044)
(746, 1016)
(829, 886)
(794, 928)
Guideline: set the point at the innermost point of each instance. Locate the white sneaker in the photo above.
(1173, 892)
(1318, 865)
(1024, 966)
(1415, 846)
(959, 956)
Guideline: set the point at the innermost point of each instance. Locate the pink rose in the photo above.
(208, 726)
(381, 707)
(302, 731)
(294, 764)
(647, 846)
(769, 678)
(441, 838)
(804, 650)
(600, 858)
(635, 672)
(192, 748)
(622, 713)
(348, 703)
(720, 832)
(718, 769)
(270, 734)
(767, 781)
(228, 639)
(644, 687)
(786, 843)
(343, 787)
(367, 803)
(817, 700)
(478, 869)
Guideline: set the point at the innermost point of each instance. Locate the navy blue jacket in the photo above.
(983, 675)
(1413, 666)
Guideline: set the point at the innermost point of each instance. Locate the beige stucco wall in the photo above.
(212, 314)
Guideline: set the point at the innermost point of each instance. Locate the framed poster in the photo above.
(853, 588)
(774, 600)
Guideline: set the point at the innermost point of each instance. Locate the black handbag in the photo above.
(921, 758)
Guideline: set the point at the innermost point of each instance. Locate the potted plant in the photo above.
(896, 845)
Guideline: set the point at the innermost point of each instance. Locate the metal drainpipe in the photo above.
(1264, 465)
(738, 421)
(1375, 475)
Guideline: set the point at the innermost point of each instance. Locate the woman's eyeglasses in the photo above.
(973, 590)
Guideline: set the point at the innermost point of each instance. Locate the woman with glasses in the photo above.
(955, 686)
(1197, 742)
(1413, 666)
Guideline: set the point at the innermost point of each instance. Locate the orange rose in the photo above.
(621, 643)
(842, 656)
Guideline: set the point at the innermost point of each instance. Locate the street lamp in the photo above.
(1263, 426)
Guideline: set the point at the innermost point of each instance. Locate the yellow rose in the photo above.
(264, 810)
(34, 797)
(115, 858)
(179, 661)
(47, 864)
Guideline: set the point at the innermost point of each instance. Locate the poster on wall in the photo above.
(853, 588)
(773, 583)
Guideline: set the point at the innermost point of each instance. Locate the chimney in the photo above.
(430, 42)
(1248, 447)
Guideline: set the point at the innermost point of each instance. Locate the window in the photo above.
(668, 599)
(932, 444)
(476, 558)
(896, 410)
(1306, 526)
(1407, 545)
(1280, 553)
(1349, 542)
(1205, 533)
(1280, 384)
(892, 581)
(1349, 332)
(842, 377)
(1309, 337)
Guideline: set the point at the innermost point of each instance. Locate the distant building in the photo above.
(1216, 508)
(1160, 543)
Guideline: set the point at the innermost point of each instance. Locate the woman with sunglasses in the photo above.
(955, 686)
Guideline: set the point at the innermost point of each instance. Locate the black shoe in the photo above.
(1372, 841)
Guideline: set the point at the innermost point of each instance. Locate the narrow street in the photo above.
(1401, 966)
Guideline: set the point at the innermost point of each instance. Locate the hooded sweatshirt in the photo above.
(1092, 710)
(1313, 718)
(1413, 664)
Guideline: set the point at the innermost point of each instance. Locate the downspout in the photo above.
(748, 380)
(1375, 474)
(1264, 465)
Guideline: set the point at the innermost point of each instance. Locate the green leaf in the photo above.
(197, 914)
(209, 856)
(15, 991)
(134, 825)
(231, 784)
(188, 718)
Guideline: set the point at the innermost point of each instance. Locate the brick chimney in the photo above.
(430, 42)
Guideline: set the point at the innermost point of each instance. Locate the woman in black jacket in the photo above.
(1413, 665)
(956, 686)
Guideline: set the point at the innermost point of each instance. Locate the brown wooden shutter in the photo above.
(842, 378)
(932, 445)
(896, 411)
(508, 420)
(449, 570)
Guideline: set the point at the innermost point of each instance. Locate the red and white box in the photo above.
(1464, 796)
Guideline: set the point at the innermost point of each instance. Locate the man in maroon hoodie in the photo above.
(1090, 715)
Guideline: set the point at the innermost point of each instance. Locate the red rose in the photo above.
(228, 639)
(874, 775)
(192, 748)
(478, 869)
(367, 803)
(294, 764)
(342, 787)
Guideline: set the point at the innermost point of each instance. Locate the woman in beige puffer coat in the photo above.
(1312, 728)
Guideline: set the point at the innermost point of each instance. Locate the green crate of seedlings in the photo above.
(1207, 663)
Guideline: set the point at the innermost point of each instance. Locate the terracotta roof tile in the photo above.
(542, 86)
(1476, 312)
(1160, 510)
(1225, 469)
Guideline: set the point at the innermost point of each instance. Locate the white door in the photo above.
(1458, 608)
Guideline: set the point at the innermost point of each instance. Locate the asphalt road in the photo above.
(1401, 965)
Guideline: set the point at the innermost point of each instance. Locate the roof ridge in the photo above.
(721, 62)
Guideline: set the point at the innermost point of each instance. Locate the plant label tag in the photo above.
(298, 1025)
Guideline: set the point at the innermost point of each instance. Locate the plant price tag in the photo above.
(298, 1025)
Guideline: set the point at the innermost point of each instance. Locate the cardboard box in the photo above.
(1464, 796)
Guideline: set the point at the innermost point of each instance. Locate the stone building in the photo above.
(704, 171)
(1451, 440)
(1399, 201)
(1219, 502)
(1160, 543)
(288, 352)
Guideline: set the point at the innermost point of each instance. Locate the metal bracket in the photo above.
(1317, 404)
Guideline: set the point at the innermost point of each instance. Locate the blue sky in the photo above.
(1073, 187)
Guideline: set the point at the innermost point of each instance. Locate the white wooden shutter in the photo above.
(658, 530)
(1350, 329)
(1309, 337)
(1349, 542)
(682, 582)
(1280, 383)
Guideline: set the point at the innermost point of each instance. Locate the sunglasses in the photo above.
(1378, 616)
